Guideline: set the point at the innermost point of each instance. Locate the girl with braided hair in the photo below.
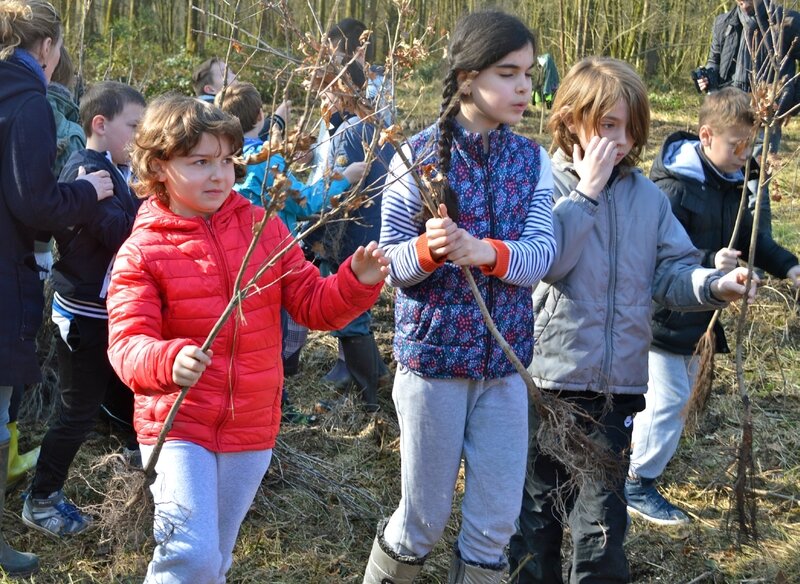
(455, 392)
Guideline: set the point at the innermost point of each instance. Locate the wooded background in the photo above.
(155, 43)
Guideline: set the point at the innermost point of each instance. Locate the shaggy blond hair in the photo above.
(590, 90)
(172, 125)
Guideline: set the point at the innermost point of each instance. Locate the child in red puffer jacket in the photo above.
(171, 281)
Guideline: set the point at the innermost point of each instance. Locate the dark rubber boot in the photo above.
(339, 376)
(12, 562)
(363, 361)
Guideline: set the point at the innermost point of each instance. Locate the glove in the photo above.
(44, 259)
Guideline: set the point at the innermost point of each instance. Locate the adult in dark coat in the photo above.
(30, 200)
(730, 52)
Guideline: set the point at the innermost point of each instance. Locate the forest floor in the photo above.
(314, 517)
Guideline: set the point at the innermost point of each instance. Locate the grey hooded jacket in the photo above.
(615, 256)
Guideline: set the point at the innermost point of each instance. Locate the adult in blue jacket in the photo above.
(30, 200)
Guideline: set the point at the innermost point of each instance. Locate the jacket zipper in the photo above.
(226, 284)
(612, 284)
(489, 279)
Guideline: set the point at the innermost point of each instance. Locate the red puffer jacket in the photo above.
(172, 280)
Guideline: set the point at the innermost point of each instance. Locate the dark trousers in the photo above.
(596, 514)
(86, 377)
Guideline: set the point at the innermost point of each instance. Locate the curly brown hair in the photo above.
(172, 126)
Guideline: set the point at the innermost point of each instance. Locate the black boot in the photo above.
(291, 364)
(12, 562)
(364, 363)
(339, 376)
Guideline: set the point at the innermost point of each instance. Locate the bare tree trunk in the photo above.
(585, 39)
(561, 42)
(578, 31)
(643, 37)
(191, 24)
(107, 19)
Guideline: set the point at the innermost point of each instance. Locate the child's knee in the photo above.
(416, 535)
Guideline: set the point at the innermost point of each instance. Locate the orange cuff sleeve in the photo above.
(500, 267)
(426, 260)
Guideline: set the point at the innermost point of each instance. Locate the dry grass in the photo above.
(315, 514)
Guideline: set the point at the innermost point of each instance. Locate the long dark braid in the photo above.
(445, 144)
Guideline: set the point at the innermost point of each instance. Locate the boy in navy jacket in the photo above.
(109, 113)
(703, 176)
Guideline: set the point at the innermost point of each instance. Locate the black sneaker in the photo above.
(646, 502)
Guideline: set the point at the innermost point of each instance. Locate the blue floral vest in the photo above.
(439, 330)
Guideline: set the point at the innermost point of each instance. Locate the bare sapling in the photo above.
(707, 345)
(769, 89)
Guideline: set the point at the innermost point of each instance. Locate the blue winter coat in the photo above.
(86, 250)
(30, 200)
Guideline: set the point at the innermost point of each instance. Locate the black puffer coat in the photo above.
(706, 205)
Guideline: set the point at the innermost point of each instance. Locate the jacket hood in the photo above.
(681, 157)
(156, 216)
(61, 99)
(17, 80)
(564, 174)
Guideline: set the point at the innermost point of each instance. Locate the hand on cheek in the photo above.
(595, 165)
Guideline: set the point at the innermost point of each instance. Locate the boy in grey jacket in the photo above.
(620, 247)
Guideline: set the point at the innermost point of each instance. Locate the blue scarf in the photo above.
(28, 61)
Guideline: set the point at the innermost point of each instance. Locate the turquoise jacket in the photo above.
(309, 199)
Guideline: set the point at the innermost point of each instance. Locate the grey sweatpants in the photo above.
(201, 498)
(441, 420)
